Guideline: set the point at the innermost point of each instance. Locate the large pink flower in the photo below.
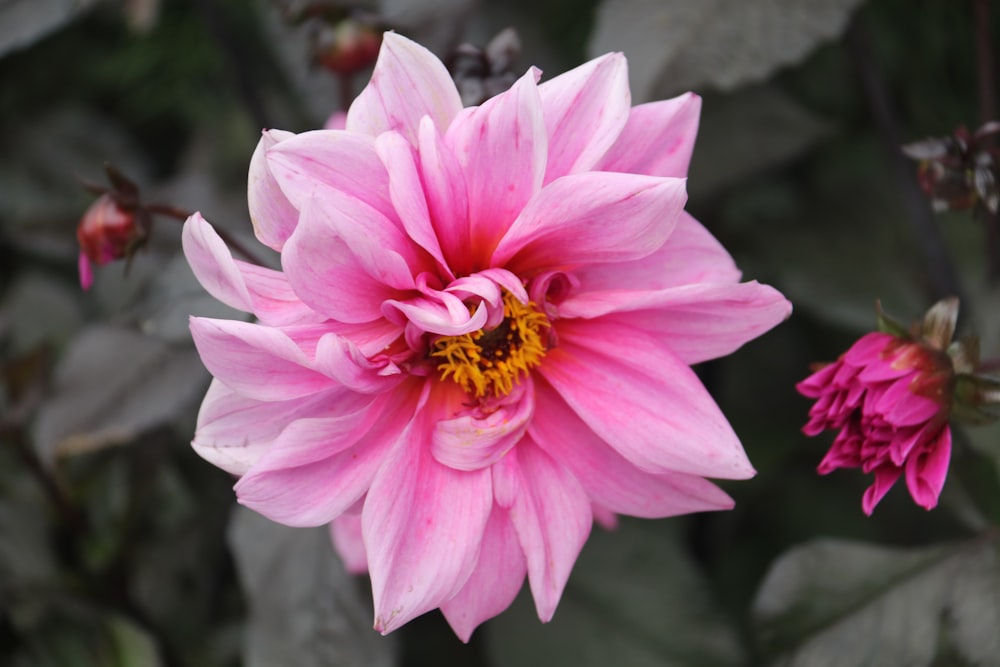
(482, 334)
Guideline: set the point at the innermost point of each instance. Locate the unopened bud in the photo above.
(106, 232)
(347, 47)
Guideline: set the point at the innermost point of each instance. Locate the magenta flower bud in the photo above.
(106, 233)
(348, 47)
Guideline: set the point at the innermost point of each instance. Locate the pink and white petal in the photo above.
(423, 526)
(317, 257)
(636, 395)
(585, 110)
(657, 140)
(495, 582)
(552, 517)
(925, 474)
(445, 315)
(233, 432)
(274, 301)
(465, 439)
(698, 322)
(345, 533)
(690, 255)
(502, 146)
(340, 359)
(592, 217)
(608, 478)
(447, 198)
(407, 194)
(409, 82)
(273, 217)
(213, 265)
(318, 491)
(319, 160)
(258, 362)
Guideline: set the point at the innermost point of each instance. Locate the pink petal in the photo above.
(312, 163)
(885, 477)
(345, 533)
(552, 517)
(690, 255)
(407, 193)
(925, 474)
(608, 478)
(447, 200)
(233, 432)
(868, 349)
(318, 468)
(698, 322)
(341, 242)
(585, 110)
(901, 407)
(258, 362)
(591, 217)
(85, 270)
(272, 215)
(339, 358)
(423, 525)
(464, 439)
(636, 395)
(502, 147)
(657, 140)
(409, 82)
(494, 583)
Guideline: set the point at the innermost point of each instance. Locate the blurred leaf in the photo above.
(26, 558)
(22, 22)
(41, 310)
(678, 45)
(305, 608)
(112, 384)
(837, 603)
(747, 132)
(635, 598)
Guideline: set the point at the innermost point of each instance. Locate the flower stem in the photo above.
(987, 113)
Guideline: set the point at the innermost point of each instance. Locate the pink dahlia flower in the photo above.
(889, 398)
(481, 335)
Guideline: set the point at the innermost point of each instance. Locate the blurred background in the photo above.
(119, 546)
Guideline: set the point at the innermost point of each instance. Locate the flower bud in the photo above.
(106, 232)
(347, 47)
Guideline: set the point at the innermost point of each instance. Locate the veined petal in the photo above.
(552, 517)
(690, 255)
(272, 215)
(657, 140)
(447, 198)
(592, 217)
(502, 147)
(423, 524)
(317, 469)
(258, 362)
(340, 359)
(698, 321)
(494, 583)
(308, 164)
(233, 431)
(365, 268)
(585, 110)
(608, 478)
(408, 83)
(634, 393)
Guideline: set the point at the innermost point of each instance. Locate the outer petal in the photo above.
(608, 478)
(423, 524)
(408, 83)
(272, 215)
(638, 397)
(925, 474)
(345, 532)
(318, 469)
(494, 583)
(690, 255)
(256, 361)
(698, 322)
(247, 287)
(552, 517)
(585, 110)
(885, 477)
(502, 146)
(233, 431)
(657, 140)
(592, 217)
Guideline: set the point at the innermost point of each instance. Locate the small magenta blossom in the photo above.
(106, 233)
(481, 336)
(890, 398)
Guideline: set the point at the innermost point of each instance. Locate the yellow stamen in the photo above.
(489, 363)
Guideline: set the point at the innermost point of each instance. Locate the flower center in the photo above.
(490, 362)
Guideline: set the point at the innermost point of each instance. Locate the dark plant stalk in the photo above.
(987, 113)
(942, 279)
(180, 215)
